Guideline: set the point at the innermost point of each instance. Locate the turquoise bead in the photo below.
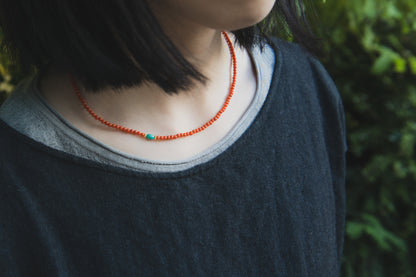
(150, 137)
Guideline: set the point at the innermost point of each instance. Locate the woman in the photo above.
(168, 138)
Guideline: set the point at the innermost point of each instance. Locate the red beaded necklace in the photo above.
(179, 135)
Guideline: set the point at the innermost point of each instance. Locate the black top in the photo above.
(272, 204)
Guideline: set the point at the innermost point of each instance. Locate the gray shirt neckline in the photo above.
(38, 120)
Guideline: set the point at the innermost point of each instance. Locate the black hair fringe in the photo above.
(106, 45)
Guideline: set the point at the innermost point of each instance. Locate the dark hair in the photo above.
(111, 47)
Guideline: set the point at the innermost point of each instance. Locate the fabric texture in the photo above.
(272, 204)
(29, 113)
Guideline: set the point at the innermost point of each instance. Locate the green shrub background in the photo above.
(371, 56)
(370, 48)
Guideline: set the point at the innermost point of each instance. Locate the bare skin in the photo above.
(148, 109)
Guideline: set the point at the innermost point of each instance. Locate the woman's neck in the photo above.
(149, 109)
(148, 102)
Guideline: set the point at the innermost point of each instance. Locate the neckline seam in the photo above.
(200, 158)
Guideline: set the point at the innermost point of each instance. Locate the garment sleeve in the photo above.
(333, 120)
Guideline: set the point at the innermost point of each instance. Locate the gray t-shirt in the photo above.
(28, 112)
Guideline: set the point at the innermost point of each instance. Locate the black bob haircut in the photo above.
(104, 44)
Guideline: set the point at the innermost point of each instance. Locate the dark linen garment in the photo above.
(272, 204)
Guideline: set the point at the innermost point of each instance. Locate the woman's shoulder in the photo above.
(294, 53)
(304, 82)
(9, 155)
(17, 151)
(299, 69)
(9, 144)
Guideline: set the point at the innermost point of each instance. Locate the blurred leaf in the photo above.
(372, 58)
(355, 229)
(400, 65)
(407, 144)
(412, 64)
(385, 61)
(385, 239)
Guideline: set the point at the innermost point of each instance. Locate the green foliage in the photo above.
(371, 54)
(5, 78)
(10, 74)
